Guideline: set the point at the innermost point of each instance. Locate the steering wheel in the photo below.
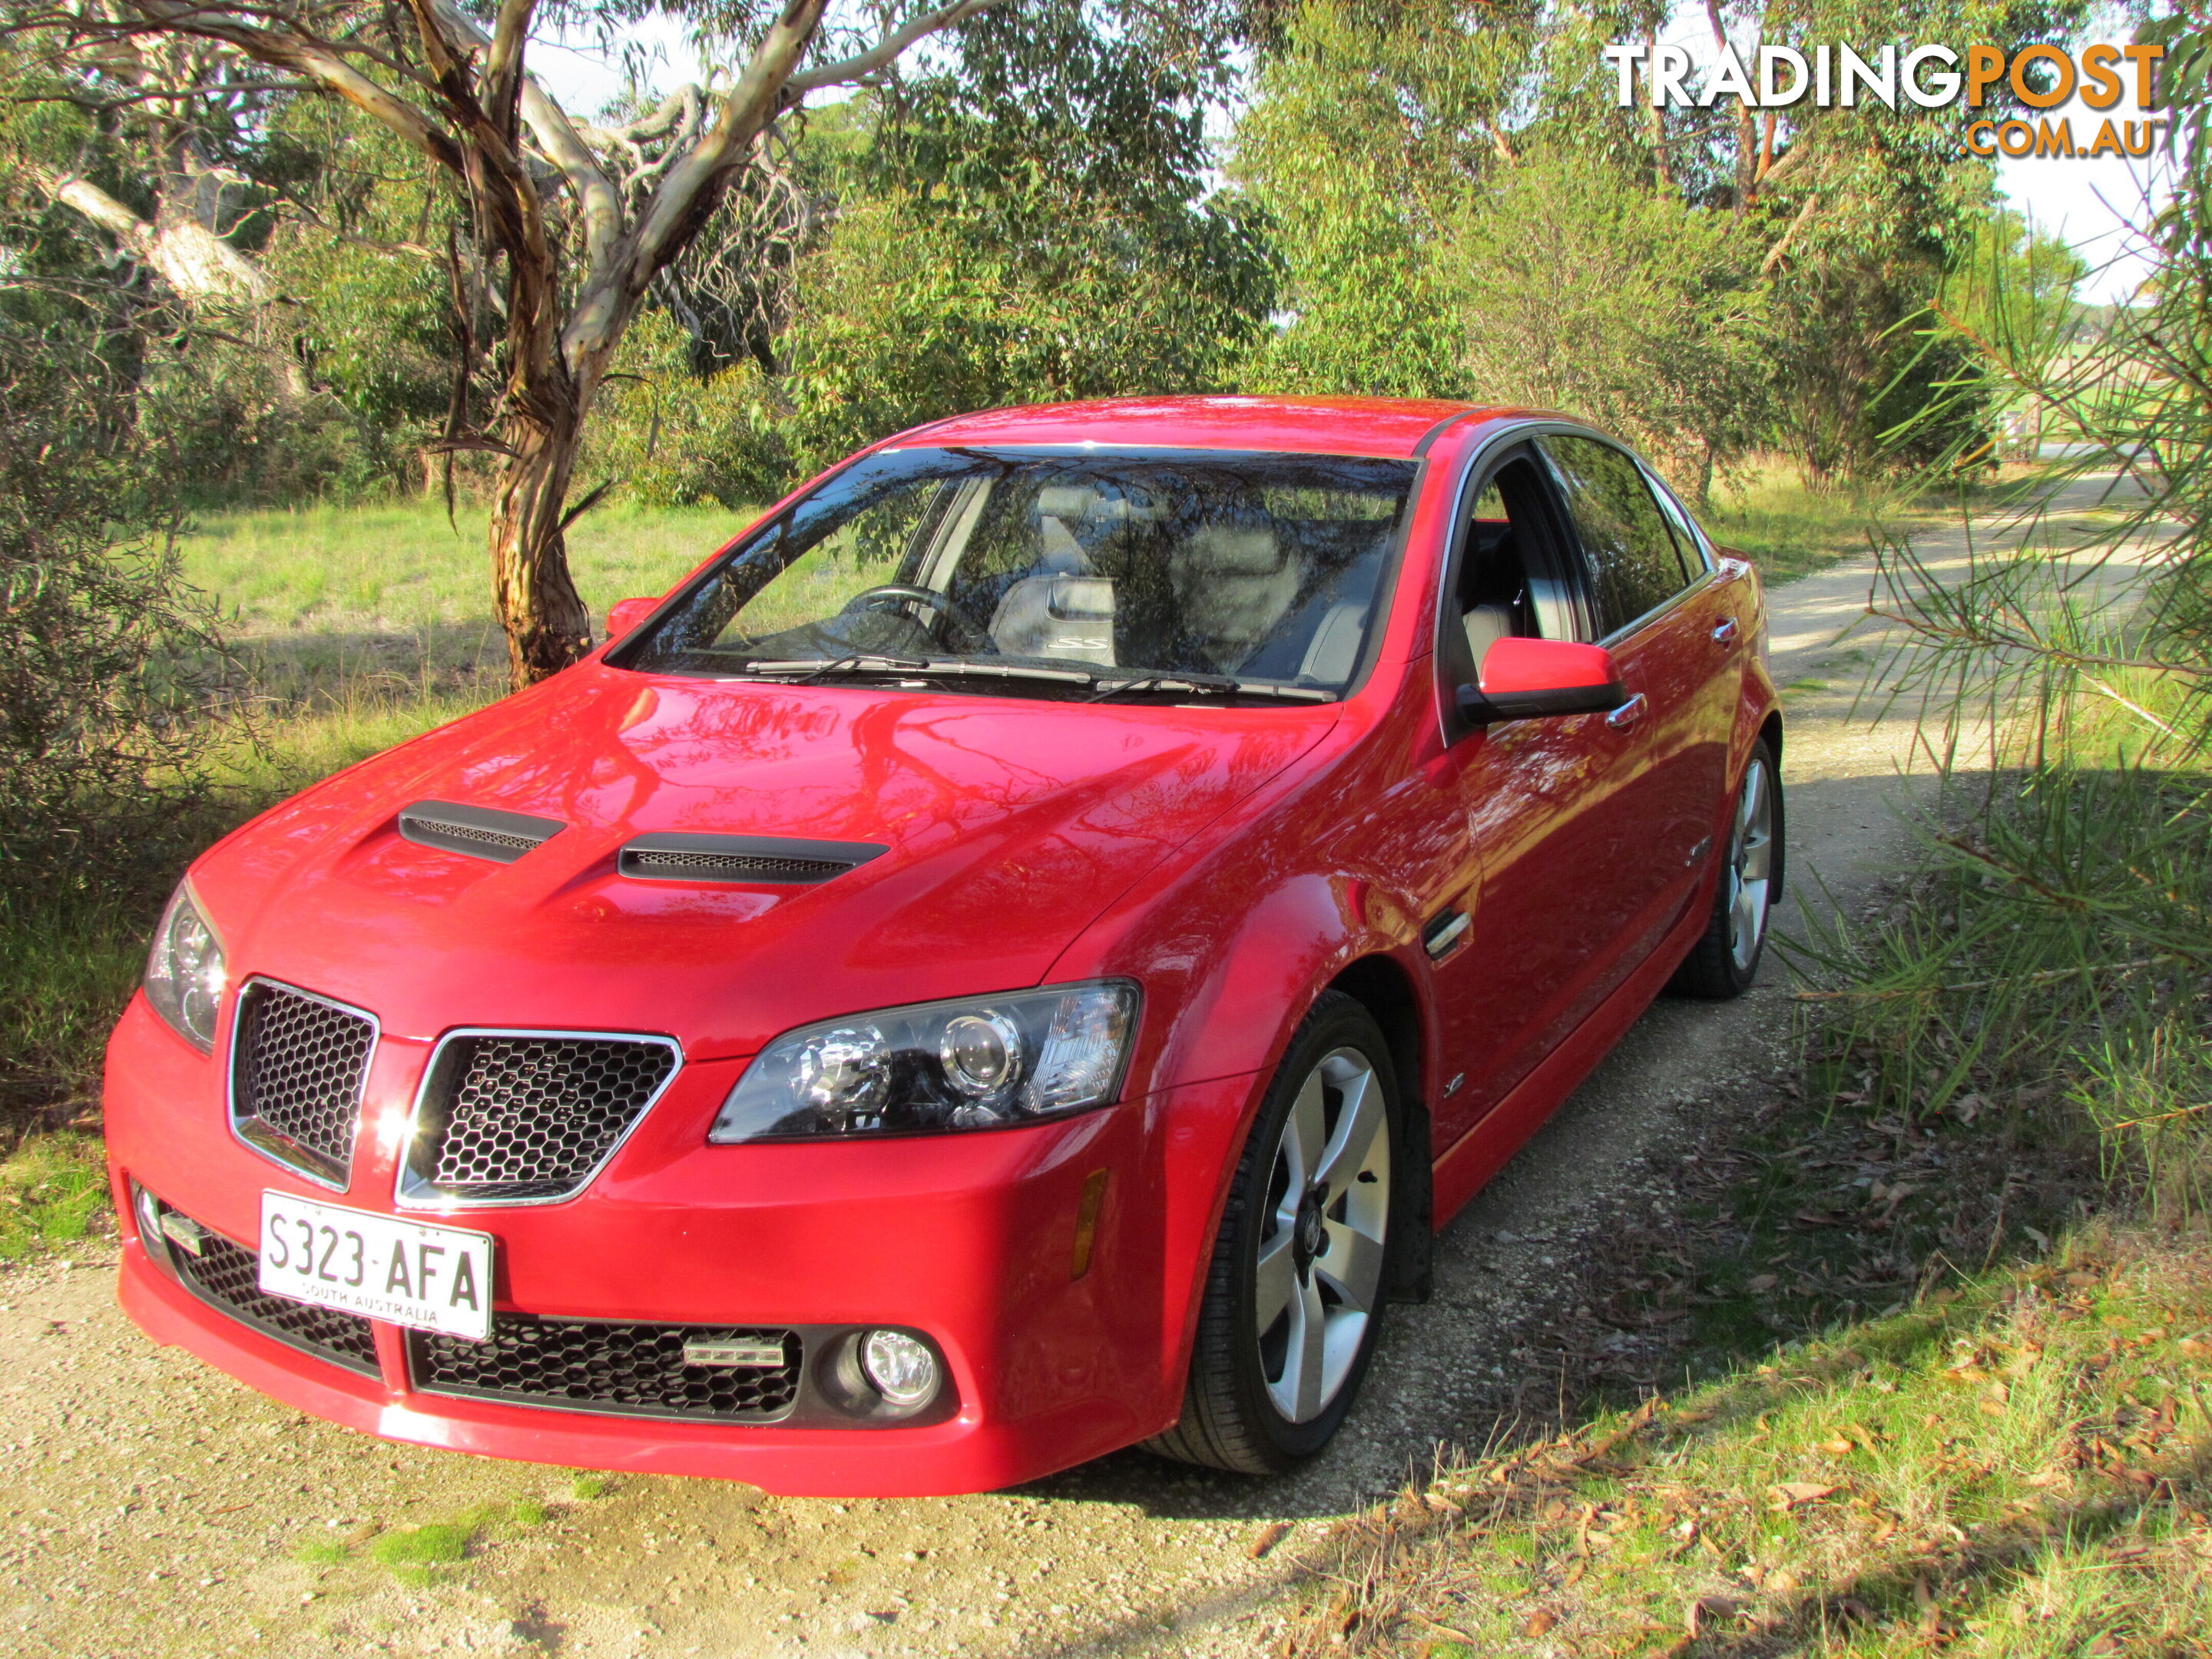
(977, 638)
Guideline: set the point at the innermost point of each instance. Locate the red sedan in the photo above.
(1014, 957)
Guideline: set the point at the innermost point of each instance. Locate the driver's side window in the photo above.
(1506, 583)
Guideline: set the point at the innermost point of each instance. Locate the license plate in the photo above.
(381, 1266)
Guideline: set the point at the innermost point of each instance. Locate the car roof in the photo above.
(1328, 425)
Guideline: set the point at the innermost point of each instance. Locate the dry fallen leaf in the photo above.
(1791, 1493)
(1267, 1537)
(1706, 1607)
(1762, 1282)
(1836, 1446)
(1539, 1621)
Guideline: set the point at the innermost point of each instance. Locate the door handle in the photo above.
(1725, 632)
(1627, 714)
(1444, 932)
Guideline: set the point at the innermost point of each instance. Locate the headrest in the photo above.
(1111, 504)
(1065, 500)
(1221, 549)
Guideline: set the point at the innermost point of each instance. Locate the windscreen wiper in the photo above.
(1218, 684)
(815, 668)
(807, 669)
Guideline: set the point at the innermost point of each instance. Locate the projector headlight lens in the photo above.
(185, 971)
(975, 1063)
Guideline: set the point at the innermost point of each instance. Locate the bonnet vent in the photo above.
(478, 831)
(748, 859)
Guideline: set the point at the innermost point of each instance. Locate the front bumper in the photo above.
(969, 1239)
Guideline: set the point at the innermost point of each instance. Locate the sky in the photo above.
(2089, 204)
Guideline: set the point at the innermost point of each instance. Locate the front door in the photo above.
(1518, 947)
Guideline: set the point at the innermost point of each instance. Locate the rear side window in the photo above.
(1634, 565)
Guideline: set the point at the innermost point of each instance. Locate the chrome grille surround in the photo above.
(508, 1117)
(615, 1368)
(298, 1062)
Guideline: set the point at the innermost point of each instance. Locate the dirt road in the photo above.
(150, 1506)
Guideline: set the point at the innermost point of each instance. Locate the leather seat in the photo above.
(1486, 624)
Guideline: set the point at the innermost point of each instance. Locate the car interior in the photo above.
(1201, 575)
(1509, 580)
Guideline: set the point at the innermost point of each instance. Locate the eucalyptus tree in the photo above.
(572, 221)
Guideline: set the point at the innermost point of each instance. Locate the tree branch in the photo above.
(282, 49)
(885, 51)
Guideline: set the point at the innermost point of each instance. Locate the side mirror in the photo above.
(626, 614)
(1526, 679)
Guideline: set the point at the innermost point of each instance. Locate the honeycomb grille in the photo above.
(626, 1369)
(489, 837)
(512, 1118)
(297, 1072)
(728, 866)
(227, 1277)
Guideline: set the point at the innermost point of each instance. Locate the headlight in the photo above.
(185, 971)
(976, 1063)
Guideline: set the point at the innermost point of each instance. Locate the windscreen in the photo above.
(1027, 573)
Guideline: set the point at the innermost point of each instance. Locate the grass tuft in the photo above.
(53, 1190)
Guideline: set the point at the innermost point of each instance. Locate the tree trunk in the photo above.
(546, 624)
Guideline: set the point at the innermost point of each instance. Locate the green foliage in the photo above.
(1580, 289)
(104, 650)
(1020, 222)
(1369, 131)
(667, 435)
(1024, 226)
(360, 255)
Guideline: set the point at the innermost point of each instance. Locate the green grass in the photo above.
(2018, 1472)
(388, 603)
(1788, 531)
(400, 567)
(53, 1191)
(420, 1556)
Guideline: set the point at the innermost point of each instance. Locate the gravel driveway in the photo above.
(153, 1507)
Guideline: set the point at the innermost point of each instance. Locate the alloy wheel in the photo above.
(1320, 1261)
(1751, 859)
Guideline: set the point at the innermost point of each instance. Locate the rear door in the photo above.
(1652, 825)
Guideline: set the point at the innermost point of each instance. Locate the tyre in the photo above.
(1725, 959)
(1294, 1294)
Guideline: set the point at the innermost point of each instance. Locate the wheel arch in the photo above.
(1771, 731)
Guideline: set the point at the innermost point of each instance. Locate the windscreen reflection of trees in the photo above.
(1265, 567)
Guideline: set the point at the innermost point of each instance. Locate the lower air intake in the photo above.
(225, 1276)
(635, 1370)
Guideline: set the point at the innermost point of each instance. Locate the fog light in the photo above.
(902, 1367)
(150, 1218)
